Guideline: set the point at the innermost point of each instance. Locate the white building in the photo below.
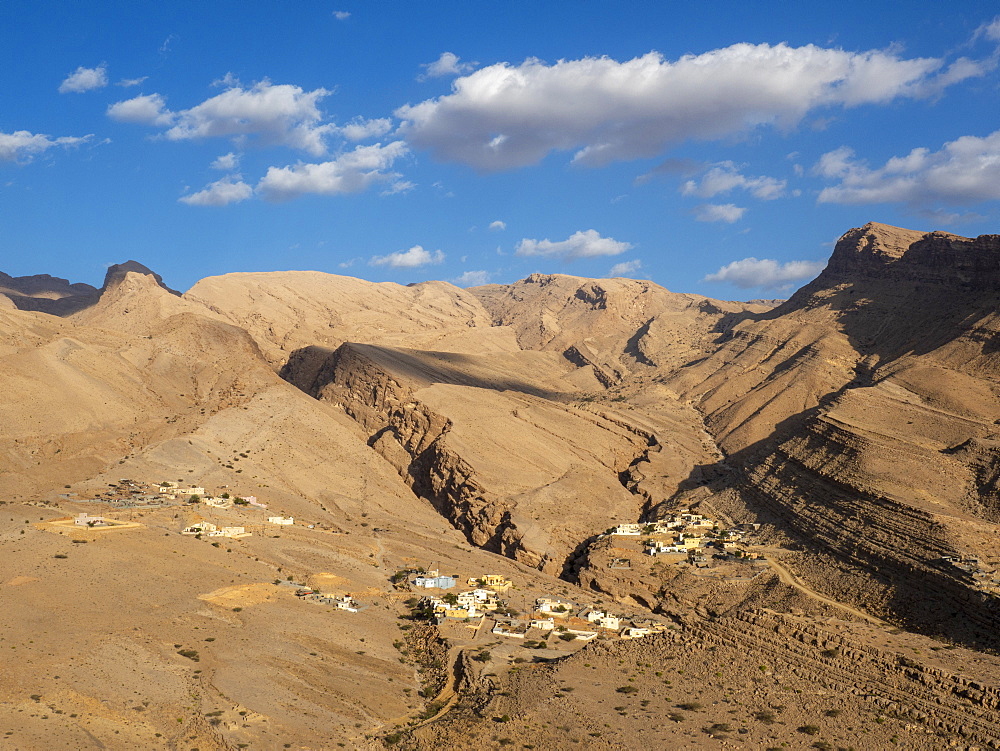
(233, 532)
(554, 607)
(83, 520)
(200, 528)
(169, 489)
(283, 521)
(346, 603)
(627, 529)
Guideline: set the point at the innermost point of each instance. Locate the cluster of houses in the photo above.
(686, 533)
(339, 602)
(974, 569)
(194, 494)
(572, 622)
(473, 606)
(129, 494)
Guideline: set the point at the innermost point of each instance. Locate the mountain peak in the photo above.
(117, 272)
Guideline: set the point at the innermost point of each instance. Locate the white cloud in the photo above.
(625, 268)
(280, 114)
(989, 30)
(765, 273)
(228, 81)
(473, 278)
(399, 186)
(585, 244)
(230, 189)
(498, 225)
(23, 146)
(719, 212)
(226, 162)
(85, 79)
(359, 129)
(966, 170)
(351, 172)
(725, 176)
(341, 15)
(446, 65)
(147, 109)
(408, 259)
(505, 116)
(129, 82)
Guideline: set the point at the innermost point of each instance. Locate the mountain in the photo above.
(842, 442)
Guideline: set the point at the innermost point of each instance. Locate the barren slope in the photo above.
(285, 311)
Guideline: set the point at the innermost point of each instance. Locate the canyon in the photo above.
(509, 429)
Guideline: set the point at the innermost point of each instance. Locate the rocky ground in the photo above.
(503, 429)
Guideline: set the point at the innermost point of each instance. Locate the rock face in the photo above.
(860, 415)
(618, 326)
(491, 441)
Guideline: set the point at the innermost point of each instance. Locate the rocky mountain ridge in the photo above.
(855, 424)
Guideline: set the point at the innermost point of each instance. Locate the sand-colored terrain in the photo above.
(503, 430)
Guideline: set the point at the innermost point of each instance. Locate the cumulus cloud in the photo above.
(966, 170)
(276, 114)
(341, 15)
(22, 145)
(230, 189)
(719, 212)
(147, 109)
(351, 172)
(408, 259)
(765, 273)
(359, 129)
(498, 225)
(625, 268)
(126, 83)
(446, 65)
(85, 79)
(584, 244)
(505, 116)
(725, 176)
(226, 162)
(473, 278)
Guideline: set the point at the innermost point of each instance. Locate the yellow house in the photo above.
(496, 582)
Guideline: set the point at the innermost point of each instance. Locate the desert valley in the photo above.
(306, 511)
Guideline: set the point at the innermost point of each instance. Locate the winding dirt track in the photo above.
(787, 577)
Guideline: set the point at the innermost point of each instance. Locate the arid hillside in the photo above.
(672, 520)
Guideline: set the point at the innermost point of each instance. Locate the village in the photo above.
(687, 538)
(487, 606)
(135, 495)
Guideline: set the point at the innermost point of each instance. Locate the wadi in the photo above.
(307, 511)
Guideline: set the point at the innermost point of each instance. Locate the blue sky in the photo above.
(717, 147)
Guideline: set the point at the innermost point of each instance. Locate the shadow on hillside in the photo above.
(848, 527)
(415, 369)
(62, 307)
